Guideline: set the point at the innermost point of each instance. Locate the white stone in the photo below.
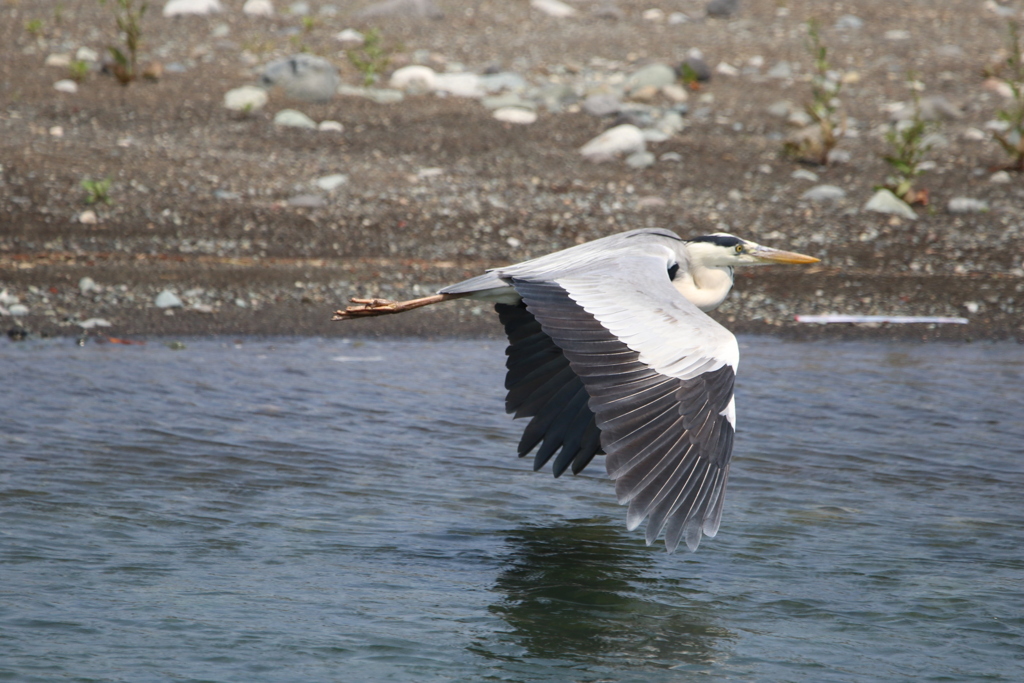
(999, 177)
(967, 205)
(727, 69)
(179, 7)
(61, 61)
(804, 174)
(7, 299)
(258, 8)
(415, 78)
(66, 85)
(640, 160)
(86, 285)
(459, 85)
(330, 127)
(897, 34)
(57, 131)
(824, 193)
(384, 95)
(294, 119)
(622, 139)
(972, 306)
(885, 201)
(350, 36)
(302, 76)
(653, 14)
(92, 323)
(331, 182)
(167, 299)
(18, 310)
(87, 54)
(88, 217)
(675, 92)
(657, 75)
(553, 8)
(247, 98)
(515, 115)
(975, 134)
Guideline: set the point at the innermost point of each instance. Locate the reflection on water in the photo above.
(576, 590)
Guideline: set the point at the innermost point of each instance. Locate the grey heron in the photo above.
(611, 351)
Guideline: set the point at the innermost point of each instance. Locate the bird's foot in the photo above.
(366, 308)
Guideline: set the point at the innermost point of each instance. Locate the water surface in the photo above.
(319, 510)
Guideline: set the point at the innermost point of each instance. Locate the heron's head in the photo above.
(722, 250)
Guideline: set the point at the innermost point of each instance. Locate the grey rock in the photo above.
(824, 193)
(293, 119)
(307, 201)
(697, 66)
(423, 9)
(384, 95)
(87, 285)
(167, 299)
(508, 99)
(18, 310)
(640, 160)
(839, 156)
(886, 202)
(602, 104)
(849, 22)
(781, 69)
(303, 76)
(656, 75)
(609, 10)
(554, 96)
(967, 205)
(722, 8)
(671, 123)
(780, 109)
(505, 80)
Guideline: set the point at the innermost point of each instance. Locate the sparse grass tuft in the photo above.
(828, 126)
(97, 191)
(78, 70)
(909, 143)
(128, 16)
(34, 27)
(372, 58)
(1012, 138)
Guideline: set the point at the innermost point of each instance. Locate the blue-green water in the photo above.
(316, 510)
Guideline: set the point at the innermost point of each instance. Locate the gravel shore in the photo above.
(257, 228)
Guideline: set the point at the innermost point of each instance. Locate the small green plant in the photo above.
(58, 13)
(128, 16)
(97, 191)
(909, 143)
(372, 58)
(308, 24)
(78, 70)
(823, 108)
(34, 27)
(1012, 138)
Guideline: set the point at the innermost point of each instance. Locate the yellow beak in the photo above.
(769, 255)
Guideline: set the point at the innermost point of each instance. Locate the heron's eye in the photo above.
(739, 248)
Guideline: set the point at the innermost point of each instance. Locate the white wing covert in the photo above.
(659, 374)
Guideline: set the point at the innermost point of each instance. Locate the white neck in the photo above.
(705, 287)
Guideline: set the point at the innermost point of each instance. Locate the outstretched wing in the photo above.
(659, 375)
